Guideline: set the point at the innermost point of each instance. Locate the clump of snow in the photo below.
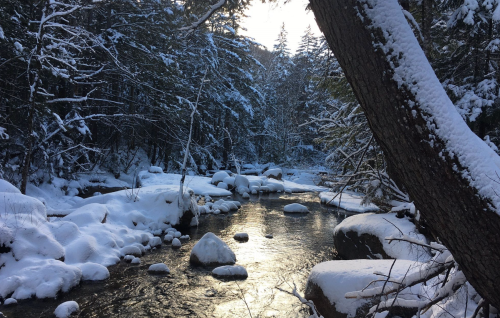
(349, 201)
(295, 208)
(176, 243)
(211, 250)
(230, 271)
(219, 176)
(155, 169)
(383, 226)
(136, 260)
(185, 238)
(243, 237)
(168, 238)
(66, 309)
(245, 195)
(159, 268)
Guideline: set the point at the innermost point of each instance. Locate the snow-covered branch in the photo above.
(205, 17)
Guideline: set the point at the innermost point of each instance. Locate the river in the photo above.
(300, 242)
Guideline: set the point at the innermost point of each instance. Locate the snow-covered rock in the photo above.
(210, 250)
(66, 309)
(93, 271)
(168, 238)
(136, 260)
(241, 182)
(159, 268)
(364, 236)
(230, 272)
(349, 201)
(245, 195)
(128, 258)
(184, 238)
(230, 182)
(132, 250)
(329, 282)
(10, 302)
(242, 237)
(222, 185)
(275, 173)
(295, 208)
(176, 243)
(155, 241)
(219, 176)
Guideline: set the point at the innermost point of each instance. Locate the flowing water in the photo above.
(300, 242)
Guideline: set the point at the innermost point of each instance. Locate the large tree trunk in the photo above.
(408, 127)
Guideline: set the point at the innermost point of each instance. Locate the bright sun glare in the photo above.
(265, 19)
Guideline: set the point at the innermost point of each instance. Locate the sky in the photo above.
(265, 19)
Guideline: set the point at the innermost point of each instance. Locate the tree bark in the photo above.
(466, 223)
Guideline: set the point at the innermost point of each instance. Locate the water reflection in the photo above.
(299, 243)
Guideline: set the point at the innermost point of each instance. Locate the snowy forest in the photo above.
(145, 144)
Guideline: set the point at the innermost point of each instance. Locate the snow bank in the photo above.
(41, 258)
(211, 250)
(295, 208)
(230, 271)
(348, 201)
(381, 226)
(7, 187)
(329, 282)
(200, 185)
(149, 208)
(65, 309)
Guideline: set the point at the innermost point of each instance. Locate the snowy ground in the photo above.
(52, 239)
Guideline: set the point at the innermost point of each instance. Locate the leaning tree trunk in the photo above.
(376, 49)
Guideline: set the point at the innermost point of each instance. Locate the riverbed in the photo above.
(299, 242)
